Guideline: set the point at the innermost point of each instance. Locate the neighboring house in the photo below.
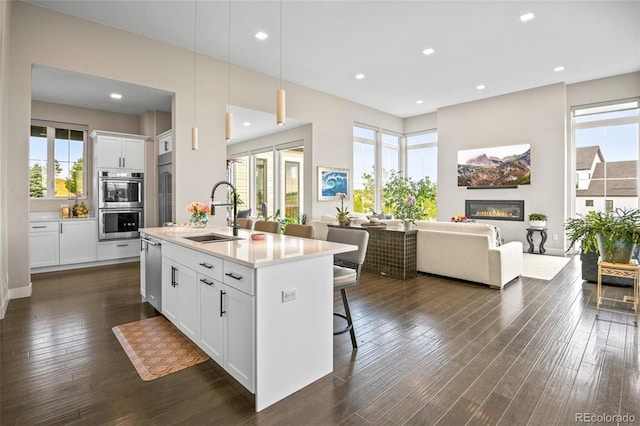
(602, 185)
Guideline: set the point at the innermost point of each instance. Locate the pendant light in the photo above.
(280, 95)
(228, 118)
(194, 129)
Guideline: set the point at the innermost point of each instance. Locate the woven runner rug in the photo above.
(157, 348)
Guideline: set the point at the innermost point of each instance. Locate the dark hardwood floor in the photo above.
(432, 351)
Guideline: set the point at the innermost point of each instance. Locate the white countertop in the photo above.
(55, 216)
(275, 248)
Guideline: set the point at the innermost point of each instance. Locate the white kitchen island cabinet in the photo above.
(264, 307)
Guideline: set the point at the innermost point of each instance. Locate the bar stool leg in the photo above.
(347, 312)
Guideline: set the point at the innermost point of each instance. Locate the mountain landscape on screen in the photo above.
(500, 166)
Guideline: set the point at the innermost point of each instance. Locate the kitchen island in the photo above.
(262, 309)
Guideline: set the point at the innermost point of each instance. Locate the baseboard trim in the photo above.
(20, 292)
(83, 265)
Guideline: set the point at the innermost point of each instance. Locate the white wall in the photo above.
(533, 116)
(114, 54)
(5, 14)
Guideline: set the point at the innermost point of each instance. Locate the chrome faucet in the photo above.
(234, 204)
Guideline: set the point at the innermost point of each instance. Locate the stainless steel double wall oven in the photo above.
(120, 204)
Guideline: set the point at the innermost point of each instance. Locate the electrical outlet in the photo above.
(555, 237)
(289, 295)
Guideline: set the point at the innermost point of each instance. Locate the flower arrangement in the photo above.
(198, 208)
(460, 218)
(406, 210)
(199, 212)
(343, 213)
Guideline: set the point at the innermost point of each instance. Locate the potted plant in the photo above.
(612, 234)
(537, 220)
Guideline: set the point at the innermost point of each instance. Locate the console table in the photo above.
(625, 270)
(543, 235)
(391, 251)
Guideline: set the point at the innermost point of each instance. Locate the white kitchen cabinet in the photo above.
(238, 335)
(170, 292)
(211, 318)
(217, 316)
(118, 151)
(118, 249)
(63, 242)
(180, 282)
(165, 142)
(44, 248)
(78, 241)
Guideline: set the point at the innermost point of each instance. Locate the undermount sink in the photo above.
(211, 238)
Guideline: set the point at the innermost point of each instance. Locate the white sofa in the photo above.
(467, 251)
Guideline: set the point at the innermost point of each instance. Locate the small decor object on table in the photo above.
(537, 220)
(343, 213)
(199, 214)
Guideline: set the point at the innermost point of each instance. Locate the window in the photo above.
(588, 203)
(56, 160)
(422, 156)
(364, 158)
(240, 172)
(606, 152)
(376, 153)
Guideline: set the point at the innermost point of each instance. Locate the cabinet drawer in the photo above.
(209, 265)
(118, 249)
(184, 256)
(239, 277)
(44, 227)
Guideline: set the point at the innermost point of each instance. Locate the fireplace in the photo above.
(495, 209)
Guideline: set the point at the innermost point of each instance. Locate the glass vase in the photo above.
(199, 220)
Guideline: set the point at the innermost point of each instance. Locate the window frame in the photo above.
(51, 127)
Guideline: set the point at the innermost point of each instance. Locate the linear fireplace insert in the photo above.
(495, 209)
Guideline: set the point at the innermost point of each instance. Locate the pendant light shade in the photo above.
(280, 107)
(228, 125)
(194, 138)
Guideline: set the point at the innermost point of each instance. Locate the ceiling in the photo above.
(326, 43)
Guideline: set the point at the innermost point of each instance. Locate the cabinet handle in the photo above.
(165, 145)
(222, 293)
(39, 227)
(123, 159)
(122, 245)
(61, 227)
(173, 276)
(235, 277)
(206, 265)
(119, 161)
(206, 281)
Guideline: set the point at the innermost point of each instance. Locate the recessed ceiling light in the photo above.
(359, 76)
(246, 124)
(480, 86)
(419, 101)
(261, 35)
(116, 96)
(527, 17)
(428, 51)
(559, 68)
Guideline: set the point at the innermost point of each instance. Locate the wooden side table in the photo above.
(624, 270)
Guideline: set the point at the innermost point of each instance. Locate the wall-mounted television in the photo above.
(496, 167)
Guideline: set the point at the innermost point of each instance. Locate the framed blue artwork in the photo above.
(332, 181)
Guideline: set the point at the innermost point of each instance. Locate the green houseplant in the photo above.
(613, 234)
(537, 220)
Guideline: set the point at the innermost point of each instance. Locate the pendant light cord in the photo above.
(229, 64)
(280, 44)
(195, 38)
